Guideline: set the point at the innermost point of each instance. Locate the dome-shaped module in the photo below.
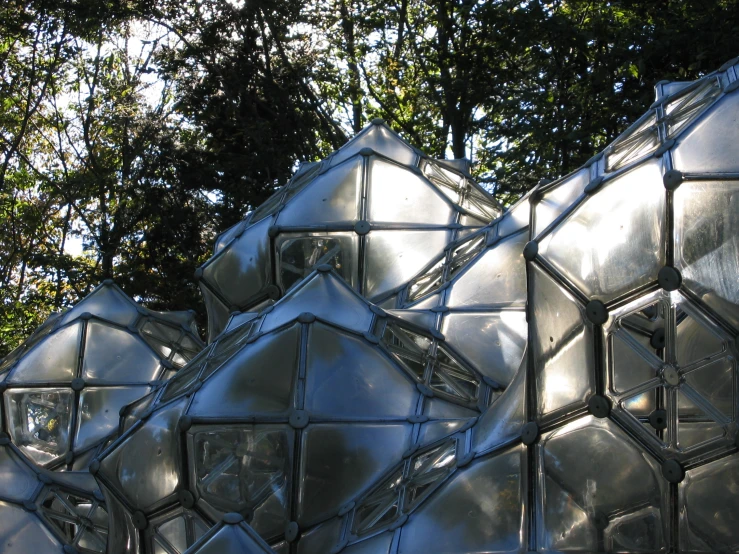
(63, 388)
(376, 210)
(49, 512)
(293, 418)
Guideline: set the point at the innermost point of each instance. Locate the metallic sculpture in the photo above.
(420, 372)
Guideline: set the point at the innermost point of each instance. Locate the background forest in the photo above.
(132, 132)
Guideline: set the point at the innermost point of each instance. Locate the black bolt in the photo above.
(658, 419)
(529, 433)
(657, 340)
(673, 471)
(599, 406)
(672, 179)
(669, 278)
(530, 250)
(362, 227)
(596, 312)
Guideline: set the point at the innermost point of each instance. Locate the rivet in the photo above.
(530, 250)
(366, 152)
(273, 291)
(378, 121)
(94, 467)
(362, 227)
(594, 185)
(29, 506)
(669, 278)
(372, 339)
(139, 520)
(529, 433)
(291, 531)
(85, 316)
(232, 518)
(664, 148)
(198, 274)
(107, 282)
(346, 508)
(418, 418)
(670, 375)
(185, 422)
(299, 419)
(596, 312)
(186, 498)
(463, 461)
(673, 471)
(306, 317)
(425, 390)
(599, 406)
(657, 340)
(78, 383)
(379, 312)
(672, 179)
(273, 231)
(658, 419)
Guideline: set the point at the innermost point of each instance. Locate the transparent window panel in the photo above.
(340, 461)
(681, 111)
(22, 532)
(707, 243)
(175, 532)
(562, 347)
(347, 378)
(516, 218)
(381, 507)
(694, 426)
(55, 358)
(633, 361)
(452, 379)
(243, 386)
(479, 203)
(40, 421)
(231, 538)
(322, 538)
(493, 342)
(19, 483)
(439, 408)
(450, 184)
(107, 302)
(709, 145)
(267, 208)
(392, 258)
(396, 195)
(322, 296)
(503, 420)
(709, 507)
(696, 341)
(594, 480)
(245, 467)
(299, 254)
(496, 277)
(479, 509)
(433, 431)
(613, 242)
(160, 331)
(145, 468)
(634, 143)
(422, 318)
(225, 237)
(242, 269)
(218, 313)
(715, 383)
(331, 198)
(463, 254)
(69, 514)
(427, 471)
(557, 200)
(185, 378)
(380, 139)
(116, 356)
(427, 283)
(98, 412)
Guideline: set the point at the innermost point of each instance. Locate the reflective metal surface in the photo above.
(419, 372)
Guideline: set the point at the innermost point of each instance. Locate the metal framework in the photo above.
(397, 365)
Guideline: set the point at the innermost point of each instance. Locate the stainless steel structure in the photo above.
(419, 372)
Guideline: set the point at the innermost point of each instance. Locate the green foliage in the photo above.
(143, 129)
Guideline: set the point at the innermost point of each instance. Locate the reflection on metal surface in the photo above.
(419, 371)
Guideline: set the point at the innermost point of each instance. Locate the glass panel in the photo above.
(243, 386)
(562, 346)
(493, 342)
(69, 514)
(449, 183)
(715, 383)
(710, 507)
(427, 283)
(695, 341)
(239, 467)
(380, 139)
(451, 378)
(55, 358)
(328, 298)
(98, 412)
(515, 218)
(232, 538)
(613, 242)
(396, 195)
(333, 197)
(19, 483)
(116, 356)
(427, 470)
(218, 313)
(145, 468)
(479, 203)
(465, 252)
(107, 302)
(555, 201)
(707, 242)
(22, 532)
(694, 427)
(40, 421)
(480, 509)
(223, 239)
(392, 258)
(496, 277)
(680, 112)
(593, 476)
(708, 146)
(299, 255)
(340, 461)
(242, 270)
(381, 507)
(633, 144)
(629, 367)
(347, 378)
